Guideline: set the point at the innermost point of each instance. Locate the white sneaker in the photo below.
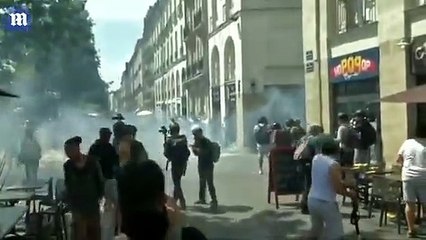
(260, 172)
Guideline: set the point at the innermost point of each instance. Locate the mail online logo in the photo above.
(17, 19)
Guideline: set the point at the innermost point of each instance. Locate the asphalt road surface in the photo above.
(243, 211)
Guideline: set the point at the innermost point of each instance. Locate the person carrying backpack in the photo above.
(347, 138)
(366, 137)
(262, 135)
(176, 151)
(204, 149)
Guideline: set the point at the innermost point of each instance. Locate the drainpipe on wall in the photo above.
(318, 48)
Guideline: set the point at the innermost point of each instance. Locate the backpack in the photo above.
(303, 151)
(368, 135)
(262, 135)
(350, 138)
(215, 147)
(178, 149)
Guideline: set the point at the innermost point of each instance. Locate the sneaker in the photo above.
(183, 205)
(260, 172)
(213, 205)
(412, 234)
(200, 202)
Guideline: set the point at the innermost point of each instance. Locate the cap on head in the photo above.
(74, 141)
(196, 129)
(118, 116)
(104, 131)
(263, 120)
(360, 113)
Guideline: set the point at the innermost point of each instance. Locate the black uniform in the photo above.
(205, 168)
(176, 151)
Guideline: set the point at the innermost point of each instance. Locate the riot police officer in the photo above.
(177, 153)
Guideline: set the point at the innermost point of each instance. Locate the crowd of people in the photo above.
(322, 157)
(121, 176)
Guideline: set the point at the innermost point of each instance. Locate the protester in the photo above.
(148, 213)
(139, 152)
(297, 132)
(177, 153)
(118, 129)
(103, 150)
(84, 188)
(305, 152)
(366, 137)
(202, 148)
(262, 135)
(326, 218)
(411, 156)
(30, 155)
(347, 139)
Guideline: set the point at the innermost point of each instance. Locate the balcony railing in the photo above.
(186, 31)
(198, 18)
(180, 12)
(355, 13)
(213, 22)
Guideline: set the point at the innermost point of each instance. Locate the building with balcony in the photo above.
(135, 77)
(359, 51)
(256, 67)
(126, 89)
(164, 56)
(196, 84)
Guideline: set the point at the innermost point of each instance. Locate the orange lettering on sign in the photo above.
(351, 65)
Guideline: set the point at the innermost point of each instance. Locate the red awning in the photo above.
(412, 95)
(6, 94)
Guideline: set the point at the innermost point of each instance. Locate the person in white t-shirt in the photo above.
(326, 218)
(412, 157)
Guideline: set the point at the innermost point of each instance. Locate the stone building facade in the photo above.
(256, 67)
(359, 51)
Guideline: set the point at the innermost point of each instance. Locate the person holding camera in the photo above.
(177, 153)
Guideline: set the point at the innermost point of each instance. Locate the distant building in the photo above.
(256, 64)
(164, 58)
(196, 85)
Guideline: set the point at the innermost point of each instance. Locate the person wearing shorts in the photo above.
(412, 157)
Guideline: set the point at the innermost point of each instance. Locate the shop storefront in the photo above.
(355, 85)
(418, 69)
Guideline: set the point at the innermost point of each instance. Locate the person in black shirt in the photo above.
(202, 148)
(176, 151)
(103, 150)
(119, 129)
(84, 189)
(138, 151)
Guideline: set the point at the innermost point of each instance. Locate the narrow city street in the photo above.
(244, 212)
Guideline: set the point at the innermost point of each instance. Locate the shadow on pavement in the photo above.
(267, 224)
(221, 209)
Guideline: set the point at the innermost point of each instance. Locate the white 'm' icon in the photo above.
(18, 19)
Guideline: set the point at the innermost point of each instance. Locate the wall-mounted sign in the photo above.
(216, 94)
(231, 92)
(418, 58)
(309, 55)
(356, 66)
(309, 67)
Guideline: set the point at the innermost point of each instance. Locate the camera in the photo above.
(163, 130)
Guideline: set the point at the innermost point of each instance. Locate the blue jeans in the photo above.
(326, 220)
